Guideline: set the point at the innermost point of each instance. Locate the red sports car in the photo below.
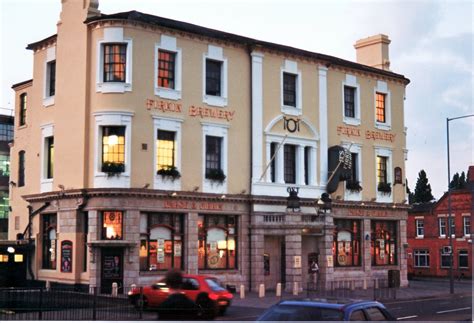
(204, 290)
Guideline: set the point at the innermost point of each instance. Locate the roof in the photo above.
(22, 83)
(422, 207)
(34, 45)
(137, 16)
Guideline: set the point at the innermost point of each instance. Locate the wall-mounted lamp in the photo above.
(11, 250)
(12, 183)
(174, 194)
(293, 200)
(196, 188)
(223, 196)
(367, 237)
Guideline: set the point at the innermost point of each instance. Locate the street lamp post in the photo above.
(450, 226)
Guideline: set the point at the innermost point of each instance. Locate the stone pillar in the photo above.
(367, 260)
(326, 272)
(131, 255)
(257, 259)
(191, 248)
(293, 249)
(402, 255)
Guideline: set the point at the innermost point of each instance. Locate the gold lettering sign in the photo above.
(377, 135)
(348, 131)
(163, 106)
(215, 113)
(212, 206)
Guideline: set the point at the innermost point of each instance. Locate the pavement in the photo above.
(417, 289)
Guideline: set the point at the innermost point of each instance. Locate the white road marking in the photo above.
(406, 317)
(454, 310)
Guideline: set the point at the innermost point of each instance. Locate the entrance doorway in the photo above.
(111, 269)
(274, 261)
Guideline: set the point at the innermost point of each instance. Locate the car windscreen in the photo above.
(301, 313)
(214, 285)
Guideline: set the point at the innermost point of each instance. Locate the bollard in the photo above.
(48, 285)
(365, 284)
(133, 286)
(261, 290)
(114, 289)
(376, 283)
(295, 288)
(242, 291)
(352, 284)
(278, 291)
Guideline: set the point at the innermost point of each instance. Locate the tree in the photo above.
(422, 189)
(458, 182)
(411, 196)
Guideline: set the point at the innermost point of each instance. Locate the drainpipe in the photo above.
(251, 173)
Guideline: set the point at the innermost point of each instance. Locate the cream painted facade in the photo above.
(263, 241)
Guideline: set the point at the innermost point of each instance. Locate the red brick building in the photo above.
(428, 236)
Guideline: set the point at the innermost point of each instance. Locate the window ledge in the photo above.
(46, 185)
(49, 101)
(294, 111)
(112, 243)
(351, 121)
(113, 87)
(164, 183)
(419, 237)
(166, 93)
(382, 126)
(218, 101)
(214, 186)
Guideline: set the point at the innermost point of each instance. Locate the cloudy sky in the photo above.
(432, 45)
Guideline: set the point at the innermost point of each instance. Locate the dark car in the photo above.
(326, 310)
(205, 291)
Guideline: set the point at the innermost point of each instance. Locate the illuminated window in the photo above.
(213, 77)
(346, 243)
(217, 242)
(115, 61)
(382, 169)
(3, 258)
(49, 241)
(6, 132)
(166, 69)
(4, 165)
(23, 109)
(380, 106)
(4, 205)
(384, 243)
(49, 158)
(161, 241)
(165, 148)
(421, 258)
(289, 89)
(113, 149)
(18, 258)
(112, 224)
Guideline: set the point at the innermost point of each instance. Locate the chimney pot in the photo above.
(373, 51)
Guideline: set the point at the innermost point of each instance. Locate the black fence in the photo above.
(379, 289)
(39, 303)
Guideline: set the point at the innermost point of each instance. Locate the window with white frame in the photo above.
(113, 133)
(442, 227)
(114, 57)
(466, 220)
(463, 259)
(215, 77)
(47, 157)
(49, 88)
(291, 89)
(420, 228)
(351, 101)
(215, 157)
(382, 104)
(353, 185)
(383, 173)
(421, 258)
(168, 68)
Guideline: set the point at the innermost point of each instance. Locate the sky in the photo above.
(432, 45)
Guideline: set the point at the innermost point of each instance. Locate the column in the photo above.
(323, 125)
(312, 166)
(191, 244)
(257, 116)
(279, 167)
(300, 170)
(293, 249)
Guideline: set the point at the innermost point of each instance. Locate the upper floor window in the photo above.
(273, 169)
(380, 107)
(23, 108)
(213, 155)
(165, 148)
(442, 227)
(290, 164)
(6, 132)
(289, 89)
(4, 205)
(115, 61)
(420, 228)
(49, 251)
(49, 145)
(113, 149)
(21, 168)
(382, 169)
(51, 78)
(466, 225)
(112, 225)
(349, 101)
(4, 165)
(213, 77)
(166, 69)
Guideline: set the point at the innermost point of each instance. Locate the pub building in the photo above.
(163, 152)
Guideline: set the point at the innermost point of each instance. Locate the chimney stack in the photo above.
(373, 51)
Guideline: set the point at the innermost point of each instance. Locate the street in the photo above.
(449, 308)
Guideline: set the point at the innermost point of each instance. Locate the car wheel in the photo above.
(222, 310)
(208, 307)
